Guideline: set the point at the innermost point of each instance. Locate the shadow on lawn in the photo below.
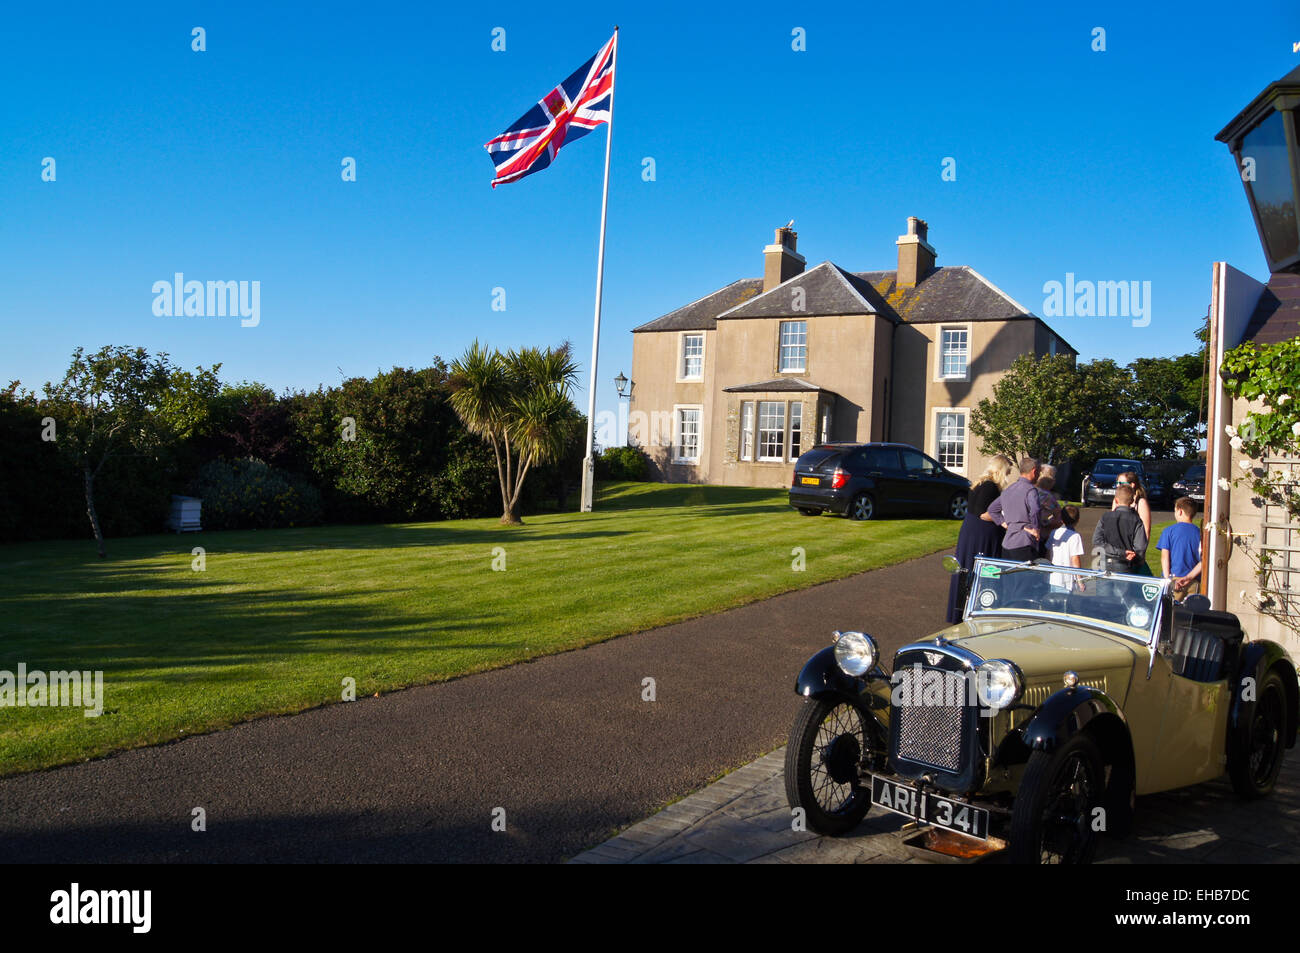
(186, 624)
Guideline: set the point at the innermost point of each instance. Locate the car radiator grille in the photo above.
(927, 732)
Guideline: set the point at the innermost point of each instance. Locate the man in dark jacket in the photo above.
(1120, 536)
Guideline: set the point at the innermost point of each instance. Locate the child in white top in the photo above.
(1066, 548)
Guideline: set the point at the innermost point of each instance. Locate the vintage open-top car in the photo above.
(1031, 726)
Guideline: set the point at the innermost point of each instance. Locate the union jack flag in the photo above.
(568, 112)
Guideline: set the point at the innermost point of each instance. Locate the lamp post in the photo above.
(1263, 140)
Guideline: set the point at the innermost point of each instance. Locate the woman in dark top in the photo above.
(979, 537)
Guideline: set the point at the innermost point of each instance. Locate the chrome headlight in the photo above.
(855, 652)
(998, 684)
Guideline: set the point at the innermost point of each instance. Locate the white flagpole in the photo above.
(589, 462)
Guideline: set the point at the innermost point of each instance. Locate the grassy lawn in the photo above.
(279, 618)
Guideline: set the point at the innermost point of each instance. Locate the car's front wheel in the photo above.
(862, 507)
(1255, 767)
(823, 764)
(1058, 815)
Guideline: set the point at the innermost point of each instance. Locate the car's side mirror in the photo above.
(950, 564)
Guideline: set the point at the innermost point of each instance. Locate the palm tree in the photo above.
(520, 403)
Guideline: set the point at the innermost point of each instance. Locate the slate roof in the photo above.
(701, 315)
(1277, 314)
(790, 384)
(950, 293)
(825, 289)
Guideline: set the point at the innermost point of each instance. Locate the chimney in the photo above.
(780, 261)
(915, 255)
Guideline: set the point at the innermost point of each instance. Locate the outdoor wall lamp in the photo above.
(1263, 141)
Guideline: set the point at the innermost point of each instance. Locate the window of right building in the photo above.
(950, 438)
(954, 352)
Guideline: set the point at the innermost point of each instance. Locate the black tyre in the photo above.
(957, 506)
(862, 507)
(1254, 768)
(1055, 813)
(823, 762)
(807, 511)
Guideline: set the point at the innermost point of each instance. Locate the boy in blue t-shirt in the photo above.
(1180, 549)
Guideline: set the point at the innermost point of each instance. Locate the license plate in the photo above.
(811, 481)
(1108, 490)
(929, 808)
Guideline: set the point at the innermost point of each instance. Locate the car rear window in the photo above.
(1111, 467)
(819, 459)
(1195, 473)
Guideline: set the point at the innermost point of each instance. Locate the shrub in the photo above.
(622, 463)
(250, 494)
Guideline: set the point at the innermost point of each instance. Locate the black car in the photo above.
(1192, 483)
(1099, 483)
(863, 480)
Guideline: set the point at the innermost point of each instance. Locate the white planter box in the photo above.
(184, 516)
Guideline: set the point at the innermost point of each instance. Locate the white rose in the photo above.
(1295, 429)
(1224, 484)
(1282, 399)
(1230, 430)
(1236, 443)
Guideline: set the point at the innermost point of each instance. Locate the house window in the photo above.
(794, 346)
(771, 430)
(1051, 348)
(692, 357)
(687, 442)
(954, 352)
(747, 430)
(796, 428)
(950, 439)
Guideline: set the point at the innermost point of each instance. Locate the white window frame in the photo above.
(759, 429)
(791, 456)
(965, 437)
(747, 438)
(780, 347)
(939, 374)
(677, 433)
(681, 356)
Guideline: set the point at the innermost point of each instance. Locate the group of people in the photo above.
(1016, 513)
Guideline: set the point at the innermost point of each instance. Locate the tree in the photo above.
(1165, 399)
(121, 401)
(1035, 410)
(520, 403)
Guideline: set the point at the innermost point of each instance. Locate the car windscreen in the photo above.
(1113, 467)
(1124, 603)
(819, 458)
(1195, 473)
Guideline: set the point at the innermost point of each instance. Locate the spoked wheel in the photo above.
(1053, 821)
(1254, 770)
(863, 507)
(957, 506)
(823, 763)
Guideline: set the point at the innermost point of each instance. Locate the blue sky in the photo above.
(225, 165)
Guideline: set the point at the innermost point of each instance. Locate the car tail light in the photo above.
(839, 479)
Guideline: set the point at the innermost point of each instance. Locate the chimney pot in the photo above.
(916, 256)
(780, 260)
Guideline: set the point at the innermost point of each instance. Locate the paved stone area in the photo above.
(744, 819)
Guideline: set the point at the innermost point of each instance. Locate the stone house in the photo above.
(732, 387)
